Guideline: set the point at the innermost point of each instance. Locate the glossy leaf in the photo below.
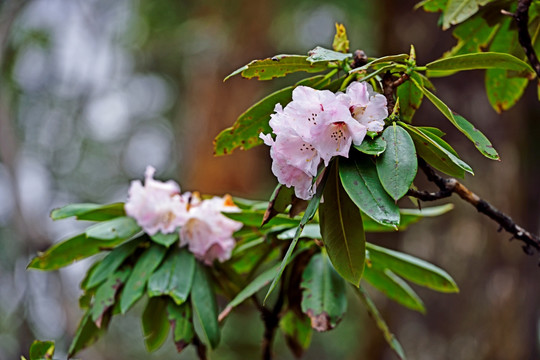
(370, 146)
(321, 54)
(142, 271)
(341, 229)
(93, 212)
(381, 324)
(68, 251)
(408, 217)
(278, 66)
(165, 239)
(411, 268)
(437, 152)
(118, 228)
(111, 262)
(105, 296)
(341, 42)
(361, 182)
(504, 89)
(394, 288)
(311, 209)
(432, 5)
(40, 350)
(155, 323)
(457, 11)
(174, 277)
(324, 298)
(297, 331)
(203, 301)
(479, 140)
(87, 333)
(181, 319)
(398, 165)
(481, 60)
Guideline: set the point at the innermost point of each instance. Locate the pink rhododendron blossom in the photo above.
(366, 105)
(156, 206)
(207, 232)
(293, 165)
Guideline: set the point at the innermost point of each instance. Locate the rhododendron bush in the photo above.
(345, 152)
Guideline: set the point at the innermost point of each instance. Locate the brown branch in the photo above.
(389, 88)
(522, 20)
(448, 186)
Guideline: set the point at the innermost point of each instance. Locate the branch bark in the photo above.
(522, 20)
(449, 186)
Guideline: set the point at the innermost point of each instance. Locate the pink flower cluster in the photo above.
(317, 125)
(160, 207)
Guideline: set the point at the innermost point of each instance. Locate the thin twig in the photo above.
(448, 186)
(522, 20)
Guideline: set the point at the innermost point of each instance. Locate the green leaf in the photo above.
(181, 319)
(341, 42)
(324, 297)
(174, 277)
(278, 66)
(361, 182)
(92, 212)
(255, 285)
(40, 350)
(297, 331)
(502, 87)
(394, 287)
(432, 5)
(311, 209)
(321, 54)
(473, 36)
(410, 99)
(165, 239)
(116, 229)
(105, 296)
(68, 251)
(341, 229)
(478, 139)
(381, 324)
(111, 262)
(411, 268)
(244, 134)
(370, 146)
(255, 218)
(482, 60)
(437, 152)
(142, 271)
(155, 323)
(87, 333)
(408, 217)
(400, 58)
(433, 131)
(457, 11)
(280, 199)
(398, 165)
(203, 301)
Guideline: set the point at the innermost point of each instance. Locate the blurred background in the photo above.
(93, 91)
